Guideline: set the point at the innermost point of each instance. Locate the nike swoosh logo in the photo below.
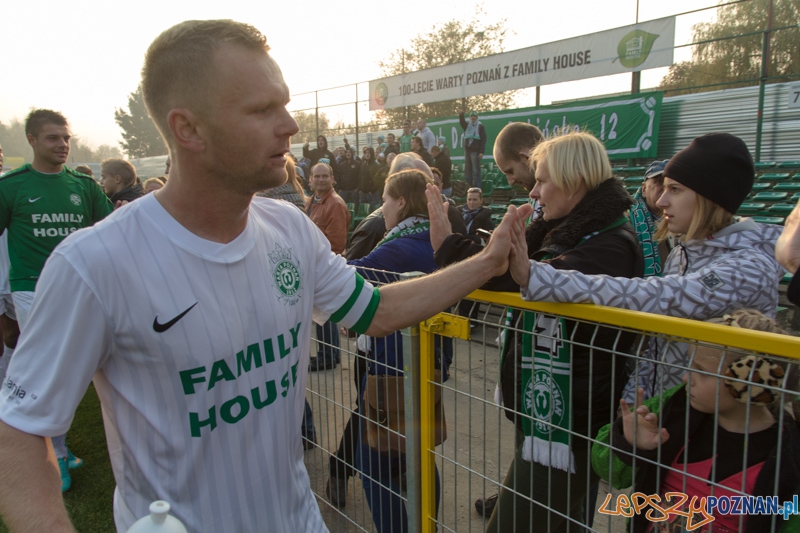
(31, 200)
(161, 328)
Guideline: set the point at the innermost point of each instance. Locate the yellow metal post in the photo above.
(446, 325)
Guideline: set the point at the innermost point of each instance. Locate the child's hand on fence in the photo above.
(648, 434)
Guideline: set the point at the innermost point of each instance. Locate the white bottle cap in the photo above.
(158, 521)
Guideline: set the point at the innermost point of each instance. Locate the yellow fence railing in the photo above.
(449, 325)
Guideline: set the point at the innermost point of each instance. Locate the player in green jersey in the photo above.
(40, 204)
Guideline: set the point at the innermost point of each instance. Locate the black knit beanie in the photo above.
(717, 166)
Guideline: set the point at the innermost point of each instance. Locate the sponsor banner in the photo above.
(630, 48)
(627, 125)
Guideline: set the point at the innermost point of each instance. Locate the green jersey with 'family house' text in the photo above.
(40, 210)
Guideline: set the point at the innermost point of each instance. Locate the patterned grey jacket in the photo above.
(735, 268)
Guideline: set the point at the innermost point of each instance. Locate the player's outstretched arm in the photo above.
(30, 494)
(413, 301)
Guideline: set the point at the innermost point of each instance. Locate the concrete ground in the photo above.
(472, 461)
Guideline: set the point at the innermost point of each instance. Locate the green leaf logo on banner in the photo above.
(634, 48)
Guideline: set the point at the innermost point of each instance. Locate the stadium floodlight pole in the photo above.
(765, 58)
(636, 77)
(356, 104)
(316, 113)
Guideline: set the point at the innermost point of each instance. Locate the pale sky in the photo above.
(83, 58)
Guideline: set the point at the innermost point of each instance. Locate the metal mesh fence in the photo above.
(564, 410)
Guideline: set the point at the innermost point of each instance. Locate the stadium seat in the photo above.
(795, 197)
(789, 164)
(633, 180)
(774, 176)
(770, 196)
(761, 186)
(751, 208)
(790, 187)
(768, 220)
(780, 209)
(363, 212)
(487, 187)
(764, 164)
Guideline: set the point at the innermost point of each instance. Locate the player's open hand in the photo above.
(648, 434)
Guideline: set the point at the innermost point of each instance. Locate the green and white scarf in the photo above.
(643, 225)
(473, 132)
(546, 392)
(545, 402)
(409, 226)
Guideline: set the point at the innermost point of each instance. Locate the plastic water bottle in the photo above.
(158, 521)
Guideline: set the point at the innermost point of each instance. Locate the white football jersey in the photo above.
(198, 352)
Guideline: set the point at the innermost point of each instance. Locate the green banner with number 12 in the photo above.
(627, 125)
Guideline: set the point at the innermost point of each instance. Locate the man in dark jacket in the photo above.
(391, 145)
(320, 152)
(347, 177)
(417, 148)
(443, 162)
(119, 181)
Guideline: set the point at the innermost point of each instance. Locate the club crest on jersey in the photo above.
(75, 199)
(286, 275)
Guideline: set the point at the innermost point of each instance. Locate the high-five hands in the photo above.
(505, 238)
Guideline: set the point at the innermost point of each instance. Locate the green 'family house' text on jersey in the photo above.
(39, 211)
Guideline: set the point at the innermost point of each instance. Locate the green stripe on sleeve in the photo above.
(343, 310)
(369, 313)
